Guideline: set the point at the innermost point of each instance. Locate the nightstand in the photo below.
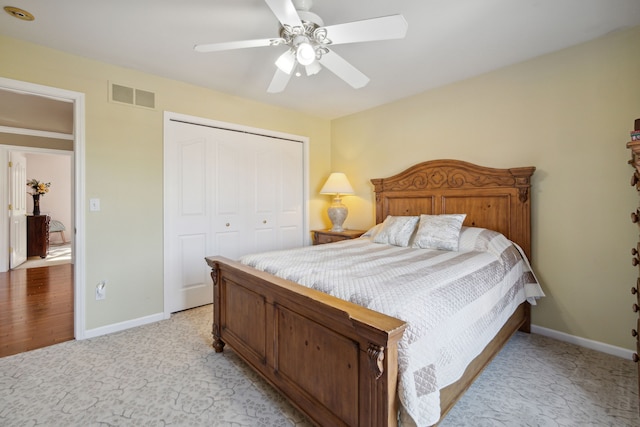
(327, 236)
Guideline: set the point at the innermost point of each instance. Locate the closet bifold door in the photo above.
(228, 192)
(634, 146)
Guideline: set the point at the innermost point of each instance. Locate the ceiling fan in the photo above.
(308, 41)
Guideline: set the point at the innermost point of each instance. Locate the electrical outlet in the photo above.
(101, 290)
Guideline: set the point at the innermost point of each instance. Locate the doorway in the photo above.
(55, 169)
(36, 294)
(24, 136)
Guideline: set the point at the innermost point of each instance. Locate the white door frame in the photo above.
(169, 116)
(77, 99)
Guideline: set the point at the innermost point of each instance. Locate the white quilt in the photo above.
(454, 303)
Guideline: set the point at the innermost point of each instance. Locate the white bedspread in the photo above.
(454, 303)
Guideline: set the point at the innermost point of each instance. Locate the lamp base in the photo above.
(337, 214)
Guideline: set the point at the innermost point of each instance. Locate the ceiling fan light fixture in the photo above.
(305, 53)
(307, 41)
(313, 68)
(287, 61)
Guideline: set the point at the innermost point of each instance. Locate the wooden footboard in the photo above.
(334, 360)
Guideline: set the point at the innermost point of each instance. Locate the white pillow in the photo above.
(396, 230)
(439, 232)
(372, 231)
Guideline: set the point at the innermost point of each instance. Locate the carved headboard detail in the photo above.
(498, 199)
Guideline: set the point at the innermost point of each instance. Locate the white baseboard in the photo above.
(551, 333)
(583, 342)
(116, 327)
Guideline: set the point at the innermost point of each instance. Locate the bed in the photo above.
(338, 361)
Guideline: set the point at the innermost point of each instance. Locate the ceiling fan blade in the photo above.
(279, 81)
(216, 47)
(285, 12)
(383, 28)
(341, 68)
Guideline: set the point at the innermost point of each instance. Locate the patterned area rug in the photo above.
(166, 373)
(161, 374)
(538, 381)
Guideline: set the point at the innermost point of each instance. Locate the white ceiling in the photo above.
(447, 41)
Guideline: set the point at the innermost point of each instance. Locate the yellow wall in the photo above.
(569, 114)
(124, 151)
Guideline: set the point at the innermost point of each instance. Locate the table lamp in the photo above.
(337, 184)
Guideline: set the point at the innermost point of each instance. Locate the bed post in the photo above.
(218, 344)
(383, 380)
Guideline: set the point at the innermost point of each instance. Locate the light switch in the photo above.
(94, 205)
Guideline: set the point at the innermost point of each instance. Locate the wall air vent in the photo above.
(132, 96)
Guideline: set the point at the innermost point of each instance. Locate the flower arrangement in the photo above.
(39, 188)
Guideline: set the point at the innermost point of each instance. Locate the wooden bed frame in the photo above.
(337, 361)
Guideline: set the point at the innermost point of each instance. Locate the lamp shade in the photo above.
(337, 183)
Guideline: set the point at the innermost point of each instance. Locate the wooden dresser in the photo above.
(634, 145)
(37, 235)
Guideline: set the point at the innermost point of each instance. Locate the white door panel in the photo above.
(228, 187)
(266, 240)
(230, 173)
(18, 211)
(194, 276)
(291, 237)
(265, 175)
(266, 191)
(229, 245)
(186, 281)
(193, 177)
(290, 216)
(227, 193)
(192, 247)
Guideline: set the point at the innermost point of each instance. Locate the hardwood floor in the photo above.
(36, 308)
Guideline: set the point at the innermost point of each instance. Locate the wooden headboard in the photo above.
(497, 199)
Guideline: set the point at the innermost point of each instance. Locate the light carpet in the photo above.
(57, 254)
(166, 373)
